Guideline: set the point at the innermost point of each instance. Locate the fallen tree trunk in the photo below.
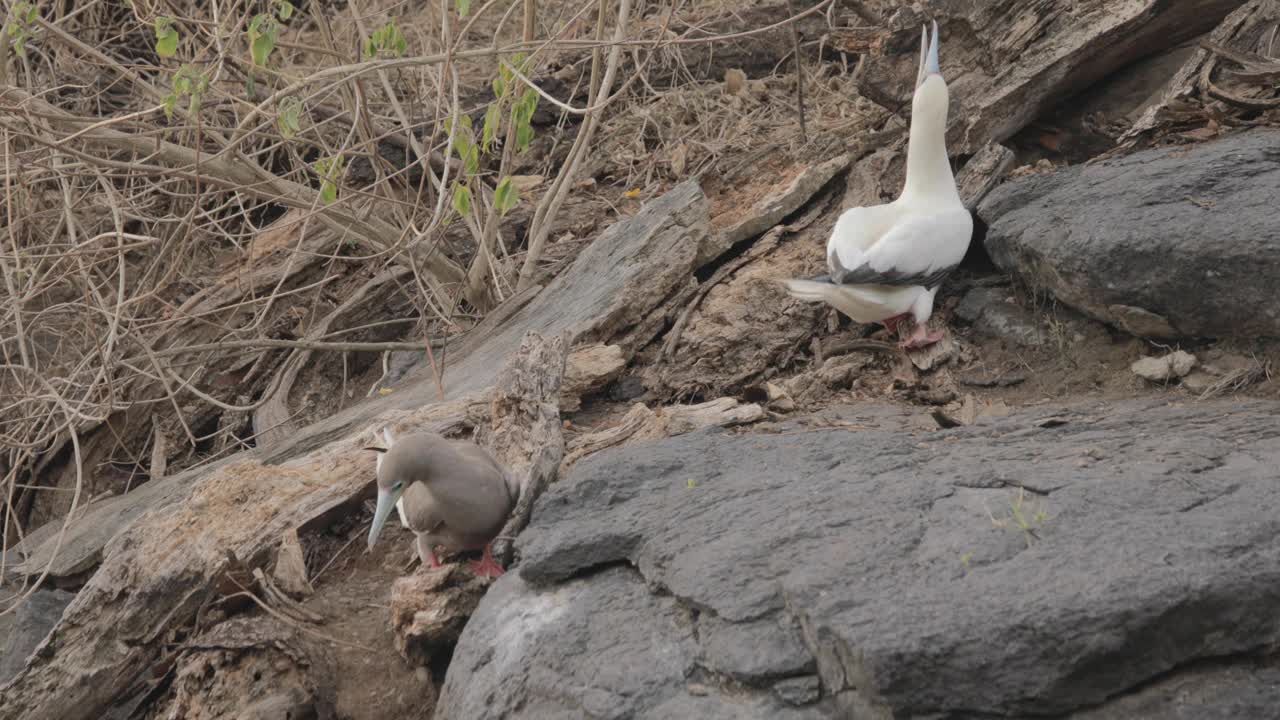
(1006, 63)
(631, 268)
(1192, 99)
(161, 569)
(160, 573)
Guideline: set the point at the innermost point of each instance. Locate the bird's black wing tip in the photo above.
(864, 275)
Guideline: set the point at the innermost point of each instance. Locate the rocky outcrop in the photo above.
(1094, 560)
(32, 621)
(1164, 243)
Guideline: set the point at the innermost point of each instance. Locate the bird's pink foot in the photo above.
(921, 337)
(487, 566)
(891, 323)
(427, 554)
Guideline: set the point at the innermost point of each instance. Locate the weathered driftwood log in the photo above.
(1006, 63)
(221, 673)
(641, 423)
(1232, 50)
(589, 370)
(159, 573)
(982, 173)
(524, 430)
(163, 547)
(614, 283)
(430, 608)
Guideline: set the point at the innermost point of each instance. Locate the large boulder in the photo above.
(1096, 560)
(1174, 242)
(32, 621)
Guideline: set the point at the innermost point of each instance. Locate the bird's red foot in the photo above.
(921, 338)
(891, 323)
(487, 566)
(427, 554)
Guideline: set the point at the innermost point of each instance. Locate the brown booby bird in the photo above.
(449, 493)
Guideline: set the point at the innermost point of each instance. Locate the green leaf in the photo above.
(262, 38)
(464, 7)
(472, 160)
(499, 87)
(386, 38)
(524, 136)
(262, 47)
(529, 103)
(284, 9)
(329, 169)
(166, 36)
(461, 198)
(462, 145)
(290, 116)
(505, 196)
(170, 102)
(465, 121)
(492, 121)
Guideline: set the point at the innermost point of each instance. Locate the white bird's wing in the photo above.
(856, 231)
(919, 248)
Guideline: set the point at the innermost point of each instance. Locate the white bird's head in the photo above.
(930, 101)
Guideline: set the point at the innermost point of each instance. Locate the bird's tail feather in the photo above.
(859, 303)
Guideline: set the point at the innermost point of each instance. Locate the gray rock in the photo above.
(1171, 242)
(1164, 368)
(988, 310)
(754, 652)
(31, 623)
(924, 581)
(400, 363)
(799, 691)
(602, 646)
(1245, 690)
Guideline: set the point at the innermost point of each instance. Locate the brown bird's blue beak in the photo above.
(386, 503)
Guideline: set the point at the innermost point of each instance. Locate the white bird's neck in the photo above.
(929, 175)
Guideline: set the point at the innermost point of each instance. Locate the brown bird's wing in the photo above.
(482, 456)
(420, 509)
(471, 490)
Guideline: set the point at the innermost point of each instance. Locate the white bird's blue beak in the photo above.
(928, 55)
(386, 503)
(931, 62)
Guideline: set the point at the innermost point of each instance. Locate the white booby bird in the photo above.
(449, 493)
(886, 262)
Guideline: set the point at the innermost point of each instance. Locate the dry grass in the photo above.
(170, 266)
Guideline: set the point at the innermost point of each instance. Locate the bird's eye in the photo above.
(398, 485)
